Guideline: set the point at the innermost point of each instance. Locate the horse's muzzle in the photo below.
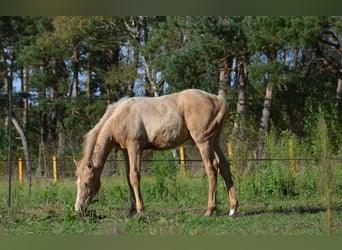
(80, 209)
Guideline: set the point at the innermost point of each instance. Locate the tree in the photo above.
(273, 39)
(12, 32)
(66, 70)
(138, 28)
(330, 52)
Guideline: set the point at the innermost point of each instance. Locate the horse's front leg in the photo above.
(133, 176)
(132, 209)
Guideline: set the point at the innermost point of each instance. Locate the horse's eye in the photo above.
(87, 185)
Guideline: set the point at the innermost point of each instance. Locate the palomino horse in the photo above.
(139, 123)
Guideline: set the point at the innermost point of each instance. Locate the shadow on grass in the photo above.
(300, 209)
(260, 209)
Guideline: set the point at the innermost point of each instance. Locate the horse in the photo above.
(159, 123)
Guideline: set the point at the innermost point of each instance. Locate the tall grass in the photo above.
(270, 190)
(325, 182)
(164, 170)
(277, 177)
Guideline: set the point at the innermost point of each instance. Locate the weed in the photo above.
(325, 183)
(273, 199)
(165, 173)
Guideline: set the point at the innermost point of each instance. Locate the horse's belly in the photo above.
(168, 136)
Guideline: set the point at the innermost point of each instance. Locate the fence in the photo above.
(269, 178)
(63, 167)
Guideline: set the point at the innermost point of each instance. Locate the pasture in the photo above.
(272, 202)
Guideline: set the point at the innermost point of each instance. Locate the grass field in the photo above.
(173, 206)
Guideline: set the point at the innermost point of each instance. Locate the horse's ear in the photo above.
(90, 164)
(75, 162)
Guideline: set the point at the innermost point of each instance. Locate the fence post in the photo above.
(292, 161)
(182, 160)
(230, 153)
(54, 162)
(230, 150)
(20, 170)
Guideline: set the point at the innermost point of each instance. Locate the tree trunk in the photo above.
(74, 92)
(41, 168)
(130, 85)
(339, 88)
(61, 131)
(264, 125)
(224, 77)
(135, 28)
(241, 103)
(24, 89)
(295, 56)
(339, 93)
(60, 73)
(24, 142)
(88, 81)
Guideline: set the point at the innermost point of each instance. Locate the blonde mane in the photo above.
(91, 137)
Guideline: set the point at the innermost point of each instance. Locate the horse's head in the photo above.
(88, 184)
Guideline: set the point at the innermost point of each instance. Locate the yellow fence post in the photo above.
(54, 162)
(182, 160)
(230, 150)
(291, 154)
(230, 153)
(20, 170)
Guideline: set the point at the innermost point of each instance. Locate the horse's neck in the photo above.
(101, 150)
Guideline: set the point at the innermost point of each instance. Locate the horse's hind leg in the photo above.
(224, 168)
(210, 165)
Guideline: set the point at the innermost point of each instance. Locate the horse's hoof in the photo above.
(140, 213)
(131, 212)
(232, 211)
(209, 212)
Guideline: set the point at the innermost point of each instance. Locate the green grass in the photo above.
(177, 210)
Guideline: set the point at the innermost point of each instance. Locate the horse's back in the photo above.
(168, 121)
(155, 123)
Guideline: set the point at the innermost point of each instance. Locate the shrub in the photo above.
(165, 173)
(279, 176)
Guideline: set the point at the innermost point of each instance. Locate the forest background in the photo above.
(278, 74)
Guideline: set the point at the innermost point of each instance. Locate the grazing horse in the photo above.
(158, 123)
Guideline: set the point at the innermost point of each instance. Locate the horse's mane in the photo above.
(91, 136)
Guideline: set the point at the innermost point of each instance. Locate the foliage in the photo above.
(165, 172)
(275, 175)
(64, 71)
(71, 68)
(326, 180)
(49, 209)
